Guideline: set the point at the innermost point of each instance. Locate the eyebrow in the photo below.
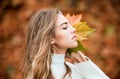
(63, 23)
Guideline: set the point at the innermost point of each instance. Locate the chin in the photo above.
(74, 45)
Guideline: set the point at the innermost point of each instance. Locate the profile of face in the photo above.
(64, 34)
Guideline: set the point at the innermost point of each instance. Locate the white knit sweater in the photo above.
(83, 70)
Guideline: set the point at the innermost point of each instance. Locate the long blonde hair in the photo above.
(38, 49)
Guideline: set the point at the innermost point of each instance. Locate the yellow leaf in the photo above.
(82, 30)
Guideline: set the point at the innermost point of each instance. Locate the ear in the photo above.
(52, 41)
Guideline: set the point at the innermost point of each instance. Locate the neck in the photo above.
(59, 51)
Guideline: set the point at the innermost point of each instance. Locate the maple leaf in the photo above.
(82, 31)
(74, 18)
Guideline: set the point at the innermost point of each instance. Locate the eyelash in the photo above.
(65, 27)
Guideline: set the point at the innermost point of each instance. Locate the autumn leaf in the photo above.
(74, 18)
(82, 31)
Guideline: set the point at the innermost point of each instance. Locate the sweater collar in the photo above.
(58, 58)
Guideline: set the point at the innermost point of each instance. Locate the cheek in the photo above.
(64, 40)
(61, 38)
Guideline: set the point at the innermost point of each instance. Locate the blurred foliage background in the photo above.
(103, 45)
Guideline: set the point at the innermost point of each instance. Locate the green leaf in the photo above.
(78, 48)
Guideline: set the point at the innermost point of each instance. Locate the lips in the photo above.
(74, 37)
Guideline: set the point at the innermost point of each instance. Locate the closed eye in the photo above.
(65, 28)
(64, 25)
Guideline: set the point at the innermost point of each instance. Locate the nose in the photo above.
(73, 30)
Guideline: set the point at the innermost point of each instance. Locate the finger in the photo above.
(82, 56)
(76, 57)
(69, 60)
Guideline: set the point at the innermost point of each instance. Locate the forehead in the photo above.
(60, 19)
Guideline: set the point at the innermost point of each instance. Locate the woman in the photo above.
(49, 37)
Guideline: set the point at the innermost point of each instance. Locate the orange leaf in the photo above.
(74, 18)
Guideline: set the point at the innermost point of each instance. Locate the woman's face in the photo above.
(64, 34)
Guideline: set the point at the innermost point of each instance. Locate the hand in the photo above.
(76, 57)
